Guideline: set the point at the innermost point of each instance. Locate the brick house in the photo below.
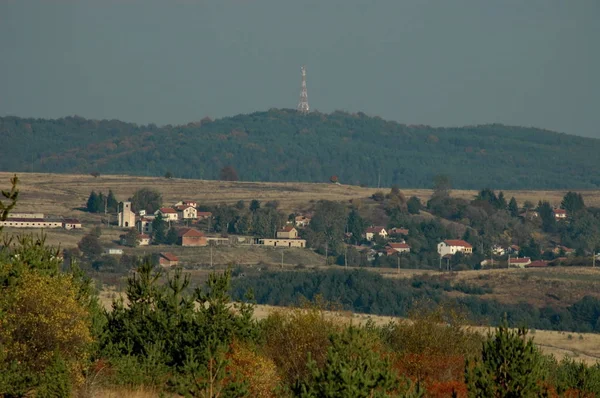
(191, 237)
(167, 259)
(559, 214)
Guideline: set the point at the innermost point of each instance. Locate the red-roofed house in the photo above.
(302, 221)
(186, 203)
(559, 214)
(191, 237)
(453, 246)
(167, 213)
(287, 232)
(372, 231)
(398, 231)
(519, 262)
(203, 215)
(167, 259)
(537, 264)
(392, 248)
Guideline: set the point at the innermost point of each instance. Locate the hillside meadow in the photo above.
(66, 194)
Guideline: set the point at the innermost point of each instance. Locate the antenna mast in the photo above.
(303, 104)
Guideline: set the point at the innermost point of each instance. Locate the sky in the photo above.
(440, 63)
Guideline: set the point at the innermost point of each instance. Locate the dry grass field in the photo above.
(63, 194)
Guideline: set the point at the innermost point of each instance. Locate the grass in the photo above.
(63, 194)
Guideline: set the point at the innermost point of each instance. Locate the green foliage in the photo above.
(146, 199)
(414, 205)
(132, 238)
(282, 145)
(354, 367)
(11, 196)
(165, 334)
(327, 226)
(90, 246)
(159, 228)
(513, 208)
(172, 237)
(572, 203)
(510, 366)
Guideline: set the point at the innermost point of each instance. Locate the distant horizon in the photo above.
(312, 111)
(435, 63)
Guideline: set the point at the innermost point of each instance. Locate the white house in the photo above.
(185, 212)
(559, 214)
(113, 251)
(453, 246)
(71, 223)
(498, 250)
(144, 240)
(519, 262)
(301, 221)
(372, 231)
(287, 232)
(167, 213)
(186, 203)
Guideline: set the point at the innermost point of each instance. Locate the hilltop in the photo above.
(282, 145)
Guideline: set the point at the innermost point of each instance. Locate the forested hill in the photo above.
(283, 145)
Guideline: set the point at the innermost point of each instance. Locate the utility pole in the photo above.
(440, 262)
(508, 266)
(211, 257)
(281, 258)
(398, 256)
(105, 209)
(594, 258)
(326, 250)
(346, 256)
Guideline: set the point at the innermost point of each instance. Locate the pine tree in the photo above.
(172, 237)
(510, 366)
(92, 202)
(513, 208)
(353, 368)
(501, 202)
(111, 202)
(158, 230)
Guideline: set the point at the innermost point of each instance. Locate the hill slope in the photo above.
(282, 145)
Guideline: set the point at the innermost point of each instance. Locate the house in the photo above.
(167, 259)
(519, 262)
(301, 221)
(398, 232)
(167, 213)
(283, 242)
(498, 250)
(144, 239)
(191, 237)
(392, 248)
(203, 215)
(126, 217)
(185, 212)
(529, 215)
(26, 215)
(144, 225)
(559, 214)
(26, 222)
(113, 251)
(566, 250)
(453, 246)
(513, 249)
(372, 231)
(287, 232)
(186, 203)
(71, 223)
(537, 264)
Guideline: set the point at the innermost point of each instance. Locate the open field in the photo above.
(63, 194)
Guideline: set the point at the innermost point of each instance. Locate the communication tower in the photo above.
(303, 104)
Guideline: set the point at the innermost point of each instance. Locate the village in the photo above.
(193, 229)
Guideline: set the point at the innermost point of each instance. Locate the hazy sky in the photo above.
(442, 63)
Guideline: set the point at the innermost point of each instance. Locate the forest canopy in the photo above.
(283, 145)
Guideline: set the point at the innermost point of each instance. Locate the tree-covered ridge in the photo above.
(283, 145)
